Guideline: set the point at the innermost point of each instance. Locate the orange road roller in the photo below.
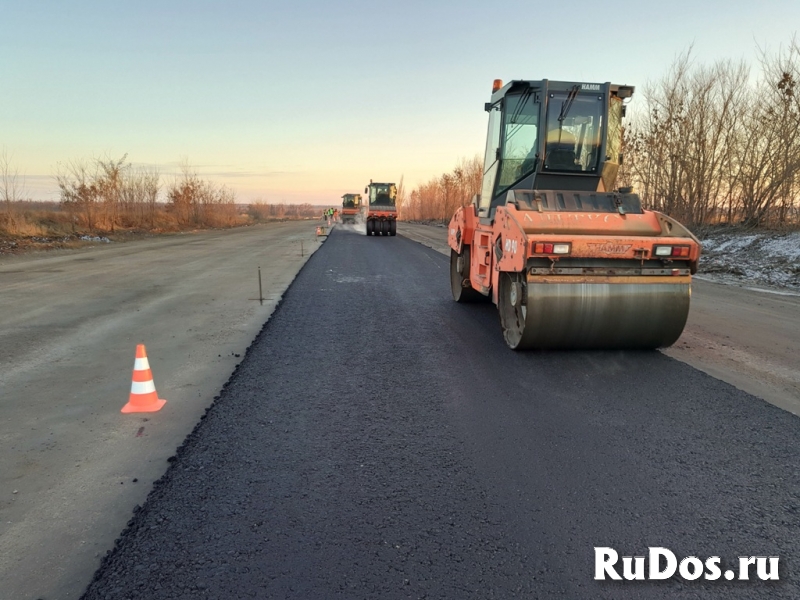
(570, 260)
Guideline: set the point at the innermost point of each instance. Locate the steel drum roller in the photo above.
(622, 312)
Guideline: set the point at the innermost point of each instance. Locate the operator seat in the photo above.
(560, 150)
(561, 158)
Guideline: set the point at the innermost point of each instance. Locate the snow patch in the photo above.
(767, 258)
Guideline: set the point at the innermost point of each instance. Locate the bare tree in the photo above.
(708, 147)
(400, 200)
(79, 192)
(768, 157)
(12, 189)
(183, 195)
(151, 186)
(109, 184)
(138, 197)
(438, 198)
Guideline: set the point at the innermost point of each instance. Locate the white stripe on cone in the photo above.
(140, 364)
(142, 387)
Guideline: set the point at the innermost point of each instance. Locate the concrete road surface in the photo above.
(401, 450)
(72, 467)
(749, 337)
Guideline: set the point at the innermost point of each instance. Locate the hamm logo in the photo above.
(609, 248)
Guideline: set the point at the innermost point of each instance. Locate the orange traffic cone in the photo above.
(143, 396)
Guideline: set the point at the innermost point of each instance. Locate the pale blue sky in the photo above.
(306, 100)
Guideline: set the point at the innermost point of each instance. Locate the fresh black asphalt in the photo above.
(380, 441)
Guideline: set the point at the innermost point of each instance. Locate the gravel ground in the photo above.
(380, 441)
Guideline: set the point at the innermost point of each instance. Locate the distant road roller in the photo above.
(380, 212)
(351, 208)
(569, 260)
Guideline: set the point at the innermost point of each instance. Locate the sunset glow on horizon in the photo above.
(304, 101)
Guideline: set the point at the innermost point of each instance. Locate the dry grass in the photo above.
(31, 225)
(28, 219)
(26, 223)
(112, 198)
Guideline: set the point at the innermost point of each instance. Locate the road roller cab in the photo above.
(380, 211)
(351, 207)
(570, 260)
